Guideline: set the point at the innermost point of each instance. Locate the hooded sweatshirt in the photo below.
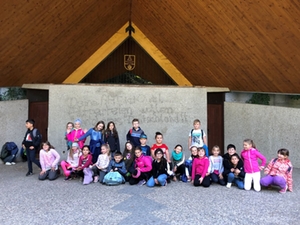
(250, 160)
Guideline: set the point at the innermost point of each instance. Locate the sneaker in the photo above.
(228, 185)
(29, 174)
(13, 163)
(282, 191)
(67, 178)
(96, 179)
(141, 183)
(8, 163)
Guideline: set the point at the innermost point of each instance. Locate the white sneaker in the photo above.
(8, 163)
(13, 163)
(228, 185)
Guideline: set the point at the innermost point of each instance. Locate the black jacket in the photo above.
(35, 137)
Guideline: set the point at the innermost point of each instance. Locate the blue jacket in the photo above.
(121, 166)
(134, 136)
(95, 135)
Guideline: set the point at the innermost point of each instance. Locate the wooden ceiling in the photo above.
(243, 45)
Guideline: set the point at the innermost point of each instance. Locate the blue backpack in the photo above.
(113, 178)
(9, 148)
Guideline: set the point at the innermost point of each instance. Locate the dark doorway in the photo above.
(39, 112)
(215, 120)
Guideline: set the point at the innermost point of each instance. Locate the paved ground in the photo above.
(26, 200)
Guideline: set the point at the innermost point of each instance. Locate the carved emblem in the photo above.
(129, 62)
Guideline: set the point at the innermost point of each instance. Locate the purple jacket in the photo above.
(250, 160)
(144, 163)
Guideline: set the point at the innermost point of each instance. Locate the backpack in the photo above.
(36, 136)
(201, 134)
(9, 148)
(113, 178)
(288, 170)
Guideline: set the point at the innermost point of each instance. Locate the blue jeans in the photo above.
(216, 179)
(162, 179)
(232, 179)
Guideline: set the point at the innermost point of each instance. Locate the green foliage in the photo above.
(294, 97)
(127, 78)
(13, 93)
(258, 98)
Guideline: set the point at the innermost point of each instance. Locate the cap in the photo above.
(143, 136)
(75, 144)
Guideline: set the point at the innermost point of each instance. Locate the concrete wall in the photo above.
(13, 115)
(271, 128)
(170, 110)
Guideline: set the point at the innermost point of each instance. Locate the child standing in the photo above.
(31, 143)
(145, 148)
(100, 167)
(216, 166)
(200, 175)
(236, 173)
(178, 159)
(83, 170)
(76, 133)
(96, 139)
(159, 170)
(189, 162)
(71, 164)
(279, 172)
(143, 167)
(135, 133)
(251, 166)
(69, 128)
(197, 137)
(159, 144)
(49, 159)
(111, 138)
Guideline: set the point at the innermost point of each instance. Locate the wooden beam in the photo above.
(98, 56)
(159, 57)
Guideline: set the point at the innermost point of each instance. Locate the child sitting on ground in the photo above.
(236, 174)
(279, 172)
(159, 170)
(178, 159)
(226, 160)
(117, 164)
(216, 166)
(200, 175)
(49, 159)
(71, 164)
(128, 156)
(83, 170)
(100, 167)
(189, 162)
(143, 167)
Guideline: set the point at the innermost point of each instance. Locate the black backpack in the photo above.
(7, 149)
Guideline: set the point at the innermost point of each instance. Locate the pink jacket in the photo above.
(281, 168)
(49, 159)
(144, 163)
(200, 167)
(76, 134)
(250, 160)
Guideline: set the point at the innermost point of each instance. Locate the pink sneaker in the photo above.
(282, 191)
(96, 178)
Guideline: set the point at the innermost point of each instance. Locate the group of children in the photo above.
(102, 160)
